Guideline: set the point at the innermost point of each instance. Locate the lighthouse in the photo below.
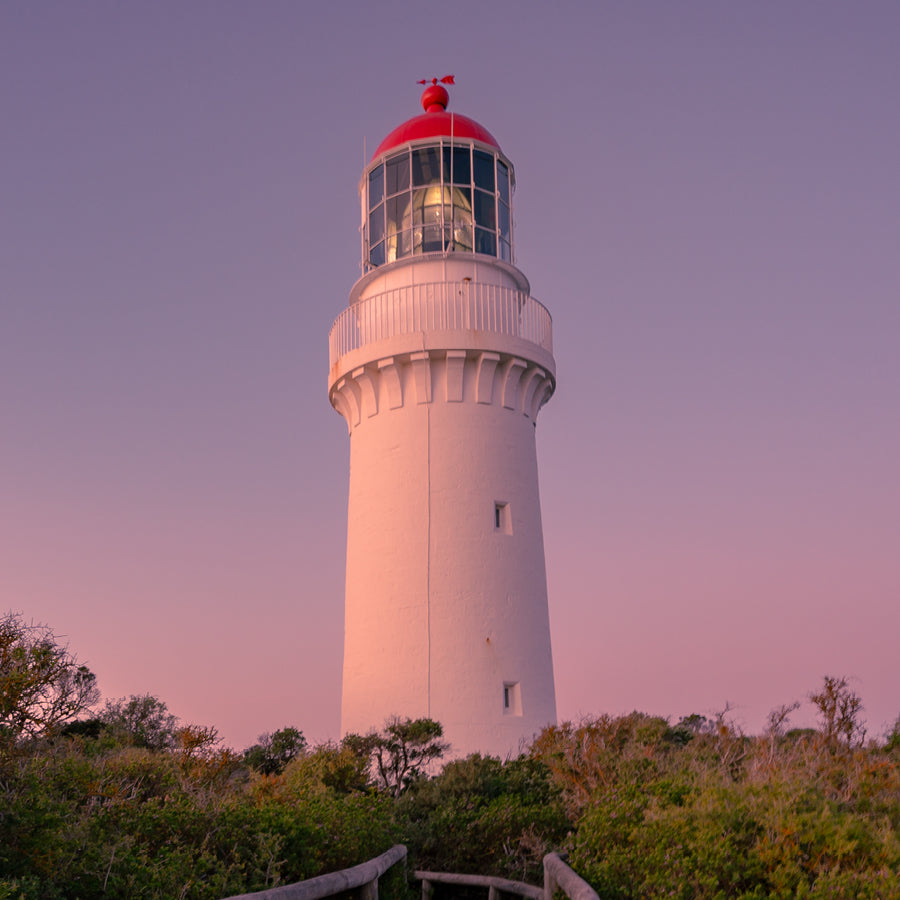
(439, 365)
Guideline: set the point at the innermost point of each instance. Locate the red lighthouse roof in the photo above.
(435, 122)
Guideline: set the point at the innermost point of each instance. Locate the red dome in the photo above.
(436, 122)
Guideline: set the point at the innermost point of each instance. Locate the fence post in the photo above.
(549, 883)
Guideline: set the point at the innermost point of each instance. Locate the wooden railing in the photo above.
(363, 879)
(559, 876)
(497, 887)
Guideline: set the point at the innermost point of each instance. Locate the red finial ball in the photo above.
(435, 98)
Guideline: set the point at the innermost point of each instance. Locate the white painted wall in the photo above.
(443, 608)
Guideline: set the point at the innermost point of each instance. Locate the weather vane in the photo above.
(447, 79)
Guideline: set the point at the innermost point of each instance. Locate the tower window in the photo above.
(512, 698)
(502, 518)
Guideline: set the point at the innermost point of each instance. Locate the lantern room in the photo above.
(438, 183)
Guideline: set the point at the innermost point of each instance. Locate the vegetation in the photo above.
(131, 803)
(42, 684)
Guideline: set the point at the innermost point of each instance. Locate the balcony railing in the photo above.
(441, 306)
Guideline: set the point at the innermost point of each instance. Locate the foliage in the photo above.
(840, 709)
(142, 720)
(595, 754)
(726, 816)
(482, 816)
(337, 767)
(42, 684)
(275, 751)
(134, 805)
(401, 753)
(130, 822)
(893, 736)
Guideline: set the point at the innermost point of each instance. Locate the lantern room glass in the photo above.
(437, 198)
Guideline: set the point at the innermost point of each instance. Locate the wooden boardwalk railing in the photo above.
(364, 880)
(496, 886)
(559, 876)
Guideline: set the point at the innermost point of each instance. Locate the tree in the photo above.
(892, 738)
(143, 720)
(275, 751)
(42, 683)
(840, 709)
(401, 752)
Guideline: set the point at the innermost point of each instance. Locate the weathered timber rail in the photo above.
(363, 880)
(558, 875)
(497, 887)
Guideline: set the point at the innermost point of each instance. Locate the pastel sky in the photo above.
(708, 203)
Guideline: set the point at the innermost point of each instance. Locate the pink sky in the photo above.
(708, 203)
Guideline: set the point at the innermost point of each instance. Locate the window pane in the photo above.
(462, 237)
(376, 225)
(462, 205)
(484, 210)
(376, 186)
(503, 209)
(459, 159)
(397, 174)
(484, 170)
(398, 213)
(485, 242)
(432, 239)
(503, 181)
(426, 166)
(399, 245)
(505, 252)
(376, 255)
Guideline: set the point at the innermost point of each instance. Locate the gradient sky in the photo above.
(708, 203)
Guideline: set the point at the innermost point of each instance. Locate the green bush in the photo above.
(137, 809)
(482, 816)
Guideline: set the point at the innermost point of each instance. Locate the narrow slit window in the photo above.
(512, 698)
(502, 518)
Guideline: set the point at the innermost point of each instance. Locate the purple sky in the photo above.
(709, 204)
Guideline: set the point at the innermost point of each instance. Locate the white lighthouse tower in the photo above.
(439, 366)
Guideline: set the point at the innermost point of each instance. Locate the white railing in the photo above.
(440, 306)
